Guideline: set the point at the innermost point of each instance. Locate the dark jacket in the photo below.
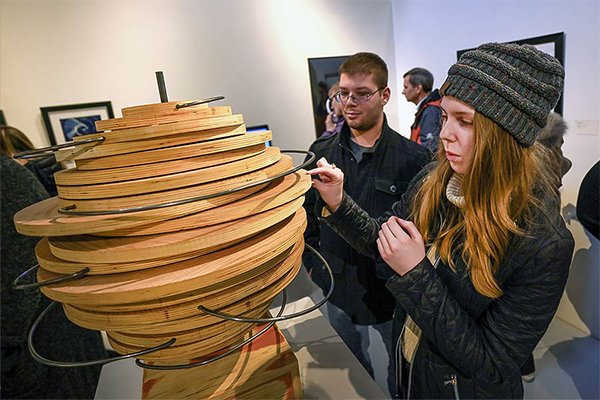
(426, 128)
(56, 337)
(480, 341)
(376, 182)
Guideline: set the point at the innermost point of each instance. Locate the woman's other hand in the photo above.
(329, 123)
(331, 183)
(400, 245)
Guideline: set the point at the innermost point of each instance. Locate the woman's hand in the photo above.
(331, 183)
(400, 245)
(329, 124)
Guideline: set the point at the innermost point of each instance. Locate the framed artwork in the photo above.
(323, 72)
(63, 123)
(2, 118)
(553, 44)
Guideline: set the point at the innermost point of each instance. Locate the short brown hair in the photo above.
(366, 63)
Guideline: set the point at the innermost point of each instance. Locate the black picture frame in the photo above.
(323, 73)
(555, 40)
(2, 118)
(64, 122)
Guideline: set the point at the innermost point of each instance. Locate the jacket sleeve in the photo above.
(313, 232)
(357, 227)
(491, 347)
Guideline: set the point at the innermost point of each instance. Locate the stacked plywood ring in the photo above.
(149, 270)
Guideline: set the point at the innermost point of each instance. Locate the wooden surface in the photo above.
(180, 153)
(166, 180)
(277, 193)
(158, 109)
(51, 263)
(210, 332)
(142, 120)
(265, 369)
(181, 319)
(91, 249)
(43, 218)
(151, 137)
(74, 176)
(284, 164)
(184, 312)
(170, 283)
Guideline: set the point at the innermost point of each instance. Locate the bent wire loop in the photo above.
(50, 150)
(236, 318)
(271, 322)
(70, 364)
(142, 364)
(70, 210)
(17, 286)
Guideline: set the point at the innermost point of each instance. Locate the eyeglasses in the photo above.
(358, 98)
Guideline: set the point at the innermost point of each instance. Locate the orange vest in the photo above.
(415, 129)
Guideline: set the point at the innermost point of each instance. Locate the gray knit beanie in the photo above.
(514, 85)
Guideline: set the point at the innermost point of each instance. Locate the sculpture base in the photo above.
(265, 369)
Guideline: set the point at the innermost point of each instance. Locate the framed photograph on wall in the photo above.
(553, 44)
(65, 122)
(323, 72)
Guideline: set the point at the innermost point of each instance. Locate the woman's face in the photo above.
(457, 133)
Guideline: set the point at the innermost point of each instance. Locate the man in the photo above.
(378, 164)
(418, 83)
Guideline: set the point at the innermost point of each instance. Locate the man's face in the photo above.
(411, 92)
(365, 116)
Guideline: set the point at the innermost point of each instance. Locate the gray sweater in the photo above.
(56, 337)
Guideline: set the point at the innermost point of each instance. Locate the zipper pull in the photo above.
(453, 380)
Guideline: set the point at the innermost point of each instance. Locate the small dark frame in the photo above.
(558, 39)
(323, 72)
(56, 118)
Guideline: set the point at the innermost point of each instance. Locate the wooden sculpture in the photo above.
(148, 269)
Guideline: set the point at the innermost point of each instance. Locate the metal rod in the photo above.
(72, 364)
(162, 88)
(64, 278)
(239, 318)
(142, 364)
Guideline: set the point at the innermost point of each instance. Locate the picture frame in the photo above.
(323, 73)
(553, 44)
(64, 122)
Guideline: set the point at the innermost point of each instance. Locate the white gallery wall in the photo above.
(254, 52)
(428, 34)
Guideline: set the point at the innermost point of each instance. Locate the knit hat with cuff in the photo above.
(514, 85)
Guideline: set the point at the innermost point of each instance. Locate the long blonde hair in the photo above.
(498, 192)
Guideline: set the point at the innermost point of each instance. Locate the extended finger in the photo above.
(326, 171)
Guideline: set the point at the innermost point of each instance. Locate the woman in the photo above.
(13, 141)
(480, 252)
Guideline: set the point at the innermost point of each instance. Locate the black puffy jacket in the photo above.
(375, 183)
(472, 346)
